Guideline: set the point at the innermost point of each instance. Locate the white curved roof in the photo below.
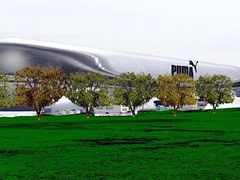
(118, 62)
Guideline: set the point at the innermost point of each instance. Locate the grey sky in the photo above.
(204, 30)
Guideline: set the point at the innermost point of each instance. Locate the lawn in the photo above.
(154, 145)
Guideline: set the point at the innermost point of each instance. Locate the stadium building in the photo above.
(16, 54)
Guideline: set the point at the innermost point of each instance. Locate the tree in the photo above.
(88, 90)
(215, 90)
(38, 87)
(5, 96)
(176, 91)
(133, 90)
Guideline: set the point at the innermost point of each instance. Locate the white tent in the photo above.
(64, 106)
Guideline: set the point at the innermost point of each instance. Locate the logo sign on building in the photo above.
(189, 70)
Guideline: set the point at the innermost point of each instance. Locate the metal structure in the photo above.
(16, 54)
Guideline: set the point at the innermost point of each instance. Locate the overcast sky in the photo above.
(204, 30)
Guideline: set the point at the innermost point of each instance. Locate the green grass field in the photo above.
(193, 145)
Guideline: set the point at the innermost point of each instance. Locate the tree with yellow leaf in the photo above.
(5, 96)
(38, 87)
(176, 91)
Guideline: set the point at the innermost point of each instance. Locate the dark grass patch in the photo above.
(80, 125)
(192, 143)
(48, 126)
(117, 141)
(185, 143)
(188, 130)
(12, 152)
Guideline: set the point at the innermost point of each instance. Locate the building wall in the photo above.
(14, 55)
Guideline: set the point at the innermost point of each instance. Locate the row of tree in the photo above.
(38, 87)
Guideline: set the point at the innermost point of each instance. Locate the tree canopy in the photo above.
(38, 87)
(5, 96)
(176, 91)
(215, 90)
(133, 90)
(88, 90)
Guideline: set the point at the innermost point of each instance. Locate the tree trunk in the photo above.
(91, 110)
(39, 115)
(87, 112)
(174, 111)
(132, 110)
(133, 113)
(38, 111)
(214, 108)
